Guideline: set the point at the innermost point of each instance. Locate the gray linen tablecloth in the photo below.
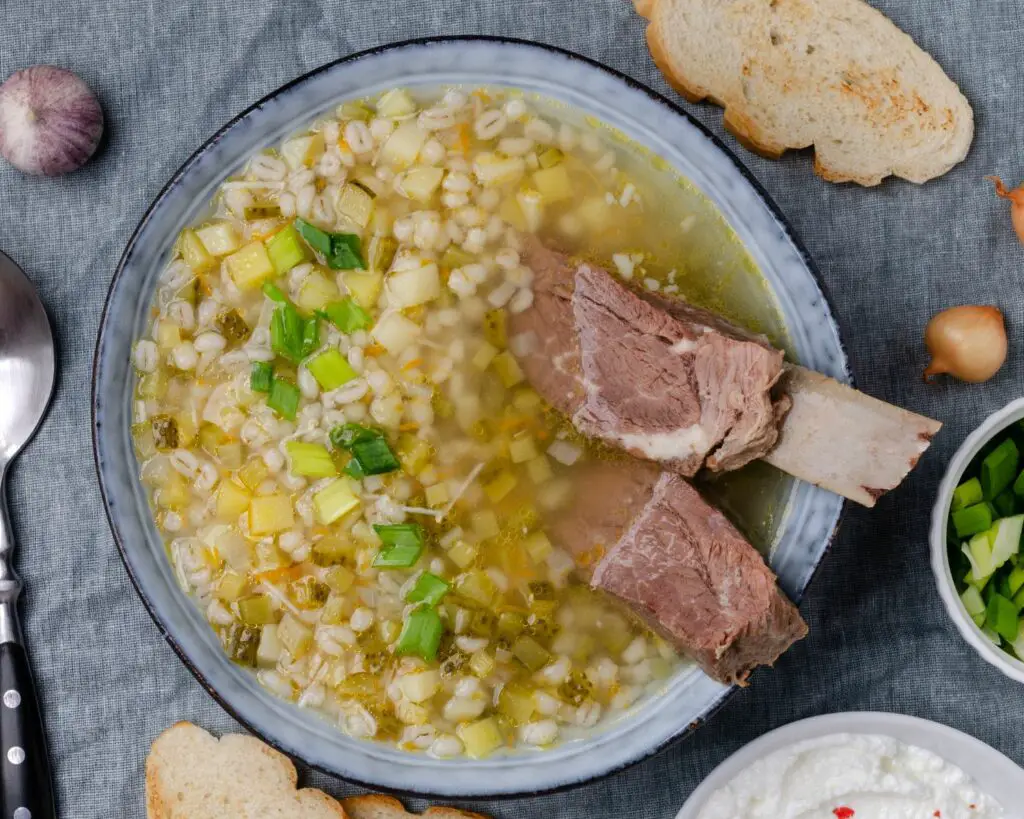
(170, 73)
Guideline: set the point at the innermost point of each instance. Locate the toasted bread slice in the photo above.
(835, 74)
(192, 775)
(376, 806)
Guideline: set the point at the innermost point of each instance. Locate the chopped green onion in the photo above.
(344, 436)
(967, 494)
(375, 457)
(284, 398)
(402, 556)
(310, 460)
(972, 520)
(341, 250)
(1016, 580)
(330, 369)
(403, 545)
(274, 293)
(1005, 503)
(333, 501)
(310, 336)
(999, 468)
(317, 239)
(429, 589)
(1001, 617)
(347, 316)
(421, 634)
(354, 470)
(286, 333)
(262, 377)
(345, 252)
(1018, 486)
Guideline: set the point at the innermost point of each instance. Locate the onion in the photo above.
(50, 122)
(1016, 197)
(967, 342)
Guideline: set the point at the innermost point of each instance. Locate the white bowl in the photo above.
(994, 774)
(992, 426)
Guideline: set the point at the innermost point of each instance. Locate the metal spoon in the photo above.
(26, 385)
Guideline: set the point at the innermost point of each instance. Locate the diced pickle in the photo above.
(335, 610)
(576, 688)
(242, 644)
(295, 636)
(233, 327)
(381, 253)
(495, 330)
(308, 592)
(511, 623)
(476, 587)
(481, 738)
(481, 663)
(165, 432)
(257, 610)
(516, 702)
(358, 687)
(530, 653)
(230, 587)
(483, 624)
(339, 578)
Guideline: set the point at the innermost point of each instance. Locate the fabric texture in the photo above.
(170, 74)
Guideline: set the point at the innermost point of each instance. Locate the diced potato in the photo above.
(316, 292)
(220, 238)
(497, 490)
(522, 449)
(436, 495)
(484, 355)
(250, 266)
(421, 686)
(301, 152)
(481, 738)
(175, 492)
(538, 546)
(553, 184)
(496, 328)
(463, 554)
(395, 103)
(531, 653)
(271, 513)
(508, 369)
(295, 636)
(485, 524)
(512, 213)
(235, 549)
(418, 285)
(334, 501)
(270, 648)
(339, 579)
(594, 213)
(539, 469)
(232, 501)
(253, 473)
(403, 146)
(395, 333)
(355, 202)
(194, 253)
(516, 702)
(492, 170)
(364, 286)
(420, 183)
(230, 587)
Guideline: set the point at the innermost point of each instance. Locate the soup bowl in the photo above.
(806, 518)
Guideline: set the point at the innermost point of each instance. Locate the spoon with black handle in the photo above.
(26, 386)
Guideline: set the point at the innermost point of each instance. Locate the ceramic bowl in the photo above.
(646, 119)
(994, 774)
(990, 427)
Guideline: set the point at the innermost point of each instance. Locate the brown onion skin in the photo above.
(50, 121)
(968, 343)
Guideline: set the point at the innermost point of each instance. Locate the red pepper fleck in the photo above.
(937, 814)
(844, 813)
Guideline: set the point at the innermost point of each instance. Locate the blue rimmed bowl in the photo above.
(649, 121)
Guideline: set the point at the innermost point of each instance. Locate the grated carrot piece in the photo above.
(282, 573)
(464, 142)
(409, 365)
(374, 350)
(408, 427)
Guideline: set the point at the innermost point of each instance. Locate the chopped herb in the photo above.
(165, 432)
(429, 589)
(284, 398)
(262, 377)
(347, 316)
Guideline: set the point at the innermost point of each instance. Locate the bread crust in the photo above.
(739, 121)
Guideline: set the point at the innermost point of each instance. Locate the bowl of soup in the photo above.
(328, 477)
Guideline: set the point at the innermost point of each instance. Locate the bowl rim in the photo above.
(982, 434)
(983, 763)
(685, 730)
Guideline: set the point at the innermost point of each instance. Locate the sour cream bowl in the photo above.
(989, 773)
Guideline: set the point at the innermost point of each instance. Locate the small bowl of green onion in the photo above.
(976, 539)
